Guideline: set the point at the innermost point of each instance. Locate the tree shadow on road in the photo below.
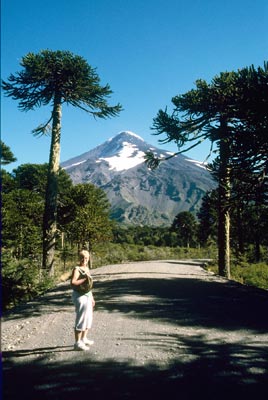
(212, 369)
(187, 302)
(217, 371)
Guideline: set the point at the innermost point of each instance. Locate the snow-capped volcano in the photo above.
(138, 195)
(128, 155)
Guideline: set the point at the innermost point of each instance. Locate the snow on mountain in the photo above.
(75, 164)
(128, 154)
(198, 163)
(128, 157)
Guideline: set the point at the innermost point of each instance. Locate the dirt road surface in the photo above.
(162, 329)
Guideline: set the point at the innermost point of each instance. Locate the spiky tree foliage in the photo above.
(54, 78)
(7, 156)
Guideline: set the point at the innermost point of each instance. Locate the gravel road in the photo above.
(161, 329)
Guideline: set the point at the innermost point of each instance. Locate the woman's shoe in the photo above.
(80, 346)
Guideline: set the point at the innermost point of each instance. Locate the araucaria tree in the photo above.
(224, 113)
(54, 78)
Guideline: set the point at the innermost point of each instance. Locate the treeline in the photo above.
(84, 219)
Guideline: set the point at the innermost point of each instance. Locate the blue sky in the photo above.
(147, 51)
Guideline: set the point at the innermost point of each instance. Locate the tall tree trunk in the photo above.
(224, 200)
(50, 214)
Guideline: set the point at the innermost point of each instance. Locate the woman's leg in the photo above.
(78, 335)
(83, 334)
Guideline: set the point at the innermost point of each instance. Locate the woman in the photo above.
(84, 303)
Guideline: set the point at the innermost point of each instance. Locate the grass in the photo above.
(253, 274)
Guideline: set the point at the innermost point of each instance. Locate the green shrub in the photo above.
(251, 274)
(22, 280)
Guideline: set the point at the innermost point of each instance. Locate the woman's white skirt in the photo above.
(84, 310)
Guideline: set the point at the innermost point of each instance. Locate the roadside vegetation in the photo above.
(24, 278)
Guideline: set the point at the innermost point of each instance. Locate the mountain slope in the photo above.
(138, 195)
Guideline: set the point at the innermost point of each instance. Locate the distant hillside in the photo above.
(139, 196)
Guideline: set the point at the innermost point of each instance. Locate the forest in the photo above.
(46, 219)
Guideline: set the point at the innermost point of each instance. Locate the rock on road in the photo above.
(161, 329)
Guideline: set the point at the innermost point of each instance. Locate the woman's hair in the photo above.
(83, 253)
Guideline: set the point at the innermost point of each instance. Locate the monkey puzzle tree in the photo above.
(54, 78)
(204, 113)
(224, 113)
